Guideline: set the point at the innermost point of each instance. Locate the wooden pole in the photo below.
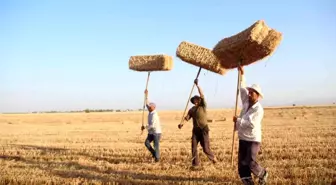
(192, 89)
(144, 105)
(235, 114)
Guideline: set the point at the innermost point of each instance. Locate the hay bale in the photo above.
(270, 43)
(199, 56)
(252, 44)
(151, 63)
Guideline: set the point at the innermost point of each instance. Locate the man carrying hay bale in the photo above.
(200, 132)
(154, 129)
(248, 125)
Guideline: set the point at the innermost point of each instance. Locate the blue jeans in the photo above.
(156, 151)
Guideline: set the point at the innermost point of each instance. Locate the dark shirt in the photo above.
(199, 115)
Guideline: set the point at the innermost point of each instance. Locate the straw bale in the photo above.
(271, 42)
(151, 63)
(250, 45)
(199, 56)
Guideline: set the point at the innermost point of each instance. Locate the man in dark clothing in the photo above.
(200, 132)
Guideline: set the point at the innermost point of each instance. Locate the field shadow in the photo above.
(80, 174)
(111, 158)
(164, 178)
(41, 148)
(114, 158)
(73, 169)
(11, 158)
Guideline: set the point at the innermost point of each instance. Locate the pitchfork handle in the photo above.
(236, 111)
(144, 105)
(192, 89)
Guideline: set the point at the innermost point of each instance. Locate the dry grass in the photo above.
(250, 45)
(151, 63)
(100, 148)
(199, 56)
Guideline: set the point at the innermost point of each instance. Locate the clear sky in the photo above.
(72, 55)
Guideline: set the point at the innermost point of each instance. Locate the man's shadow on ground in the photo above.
(91, 173)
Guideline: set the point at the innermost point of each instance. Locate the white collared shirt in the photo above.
(249, 122)
(154, 125)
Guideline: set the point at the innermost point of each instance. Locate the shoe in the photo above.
(157, 160)
(263, 180)
(195, 168)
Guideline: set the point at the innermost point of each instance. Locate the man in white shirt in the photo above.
(248, 125)
(154, 130)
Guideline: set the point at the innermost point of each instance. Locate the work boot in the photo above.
(263, 179)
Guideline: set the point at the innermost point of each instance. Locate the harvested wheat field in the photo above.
(106, 148)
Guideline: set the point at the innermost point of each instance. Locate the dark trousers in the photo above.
(201, 136)
(156, 151)
(247, 163)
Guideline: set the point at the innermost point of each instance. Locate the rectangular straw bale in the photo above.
(151, 63)
(199, 56)
(271, 42)
(252, 44)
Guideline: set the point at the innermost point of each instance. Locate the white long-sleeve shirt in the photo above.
(154, 125)
(249, 122)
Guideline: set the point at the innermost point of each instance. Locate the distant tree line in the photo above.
(99, 110)
(109, 110)
(89, 110)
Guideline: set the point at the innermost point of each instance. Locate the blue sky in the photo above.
(72, 55)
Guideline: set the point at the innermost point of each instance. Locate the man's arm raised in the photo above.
(200, 91)
(146, 99)
(243, 90)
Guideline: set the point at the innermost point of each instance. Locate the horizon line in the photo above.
(166, 110)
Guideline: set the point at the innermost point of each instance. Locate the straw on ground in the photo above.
(95, 148)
